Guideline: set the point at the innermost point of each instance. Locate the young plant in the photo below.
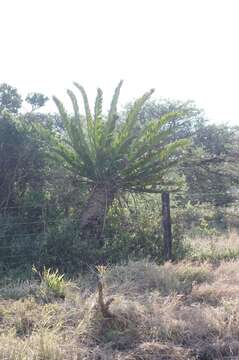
(52, 283)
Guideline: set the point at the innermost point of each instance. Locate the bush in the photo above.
(52, 284)
(130, 233)
(126, 236)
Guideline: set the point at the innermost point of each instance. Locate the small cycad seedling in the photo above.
(52, 283)
(103, 305)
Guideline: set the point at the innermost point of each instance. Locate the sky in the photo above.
(185, 49)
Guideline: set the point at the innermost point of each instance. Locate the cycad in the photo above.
(114, 155)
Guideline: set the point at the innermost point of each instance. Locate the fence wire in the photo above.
(31, 233)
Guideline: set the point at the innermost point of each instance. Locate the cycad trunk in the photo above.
(94, 213)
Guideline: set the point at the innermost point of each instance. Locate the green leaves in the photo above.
(76, 136)
(151, 135)
(127, 132)
(89, 119)
(112, 116)
(98, 120)
(103, 151)
(98, 105)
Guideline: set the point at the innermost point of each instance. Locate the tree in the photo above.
(184, 126)
(212, 167)
(113, 156)
(36, 100)
(9, 99)
(21, 161)
(210, 163)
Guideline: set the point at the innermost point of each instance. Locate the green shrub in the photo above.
(52, 284)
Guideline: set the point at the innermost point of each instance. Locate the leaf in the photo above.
(76, 130)
(62, 111)
(98, 105)
(112, 117)
(127, 129)
(98, 119)
(151, 135)
(87, 110)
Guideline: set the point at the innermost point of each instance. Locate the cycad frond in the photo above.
(114, 102)
(152, 135)
(62, 111)
(155, 162)
(98, 120)
(76, 135)
(112, 116)
(135, 156)
(126, 132)
(98, 105)
(170, 149)
(76, 123)
(88, 115)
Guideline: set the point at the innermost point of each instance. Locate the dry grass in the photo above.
(181, 311)
(155, 351)
(215, 248)
(142, 276)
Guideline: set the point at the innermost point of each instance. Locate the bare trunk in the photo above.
(96, 208)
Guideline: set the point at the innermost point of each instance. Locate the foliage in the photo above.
(134, 159)
(135, 151)
(21, 161)
(193, 118)
(211, 174)
(52, 283)
(36, 100)
(10, 100)
(210, 163)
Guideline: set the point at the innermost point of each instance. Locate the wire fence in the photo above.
(22, 236)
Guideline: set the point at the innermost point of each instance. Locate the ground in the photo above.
(188, 310)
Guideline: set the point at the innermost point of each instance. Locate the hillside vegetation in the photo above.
(187, 310)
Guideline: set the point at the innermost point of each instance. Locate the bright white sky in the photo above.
(186, 49)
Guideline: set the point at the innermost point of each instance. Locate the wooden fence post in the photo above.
(167, 231)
